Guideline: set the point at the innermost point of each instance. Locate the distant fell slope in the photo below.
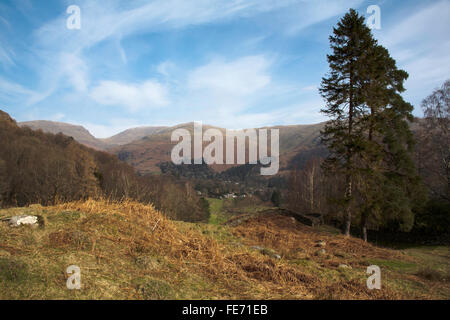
(79, 133)
(146, 147)
(132, 134)
(298, 144)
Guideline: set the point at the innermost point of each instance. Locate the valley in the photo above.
(146, 147)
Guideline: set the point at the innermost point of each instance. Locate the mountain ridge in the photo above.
(146, 147)
(78, 132)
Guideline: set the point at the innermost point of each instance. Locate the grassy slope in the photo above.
(131, 251)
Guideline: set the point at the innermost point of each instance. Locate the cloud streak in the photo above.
(420, 43)
(240, 78)
(150, 94)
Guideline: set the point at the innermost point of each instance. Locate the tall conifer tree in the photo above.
(341, 88)
(390, 180)
(368, 136)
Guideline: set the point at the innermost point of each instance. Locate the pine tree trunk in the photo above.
(348, 178)
(348, 212)
(365, 215)
(364, 227)
(311, 189)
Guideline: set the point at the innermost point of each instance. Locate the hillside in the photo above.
(298, 143)
(79, 133)
(131, 135)
(47, 168)
(41, 167)
(145, 148)
(131, 251)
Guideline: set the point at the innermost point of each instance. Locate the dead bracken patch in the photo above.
(129, 250)
(354, 290)
(292, 239)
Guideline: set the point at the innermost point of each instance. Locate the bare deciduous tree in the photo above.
(434, 142)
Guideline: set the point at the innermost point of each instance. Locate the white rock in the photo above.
(17, 221)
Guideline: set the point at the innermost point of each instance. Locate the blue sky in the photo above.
(231, 63)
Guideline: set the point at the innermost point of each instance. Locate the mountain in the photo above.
(132, 134)
(79, 133)
(298, 144)
(145, 148)
(146, 153)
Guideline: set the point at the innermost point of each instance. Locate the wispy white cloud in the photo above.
(100, 22)
(420, 43)
(4, 22)
(53, 42)
(150, 94)
(427, 24)
(74, 69)
(119, 20)
(6, 56)
(235, 94)
(166, 68)
(241, 77)
(308, 13)
(122, 52)
(11, 92)
(6, 53)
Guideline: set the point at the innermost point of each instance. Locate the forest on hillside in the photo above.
(45, 168)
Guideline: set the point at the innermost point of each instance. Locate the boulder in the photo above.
(17, 221)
